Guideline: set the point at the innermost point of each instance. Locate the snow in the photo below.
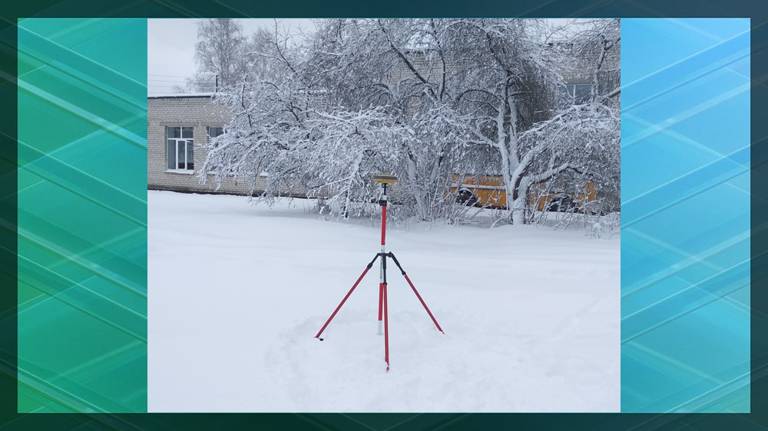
(237, 292)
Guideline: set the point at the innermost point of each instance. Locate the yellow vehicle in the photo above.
(483, 190)
(488, 191)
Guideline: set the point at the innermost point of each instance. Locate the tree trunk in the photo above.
(518, 211)
(421, 206)
(509, 186)
(520, 204)
(517, 190)
(511, 165)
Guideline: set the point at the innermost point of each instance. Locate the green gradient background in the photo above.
(757, 420)
(82, 221)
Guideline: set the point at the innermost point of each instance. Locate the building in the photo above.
(179, 127)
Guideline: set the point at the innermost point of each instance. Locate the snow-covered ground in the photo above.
(237, 292)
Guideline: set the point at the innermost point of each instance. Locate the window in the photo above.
(214, 132)
(608, 81)
(179, 149)
(579, 93)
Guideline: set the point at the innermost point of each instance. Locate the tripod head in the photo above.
(384, 180)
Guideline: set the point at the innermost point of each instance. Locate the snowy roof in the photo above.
(178, 95)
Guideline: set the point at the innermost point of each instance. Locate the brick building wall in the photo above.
(196, 111)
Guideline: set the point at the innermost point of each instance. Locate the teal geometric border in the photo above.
(82, 226)
(685, 328)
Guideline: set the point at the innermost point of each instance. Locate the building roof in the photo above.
(178, 95)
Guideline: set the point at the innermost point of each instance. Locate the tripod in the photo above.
(384, 255)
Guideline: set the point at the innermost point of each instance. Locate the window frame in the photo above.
(209, 137)
(208, 131)
(187, 143)
(571, 91)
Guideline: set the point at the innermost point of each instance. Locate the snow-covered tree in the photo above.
(512, 85)
(220, 54)
(425, 99)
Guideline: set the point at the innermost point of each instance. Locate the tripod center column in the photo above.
(383, 203)
(383, 267)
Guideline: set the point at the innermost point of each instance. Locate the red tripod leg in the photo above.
(338, 307)
(422, 302)
(386, 328)
(381, 305)
(410, 283)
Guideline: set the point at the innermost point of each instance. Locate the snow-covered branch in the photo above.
(424, 99)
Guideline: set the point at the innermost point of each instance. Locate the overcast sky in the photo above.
(171, 47)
